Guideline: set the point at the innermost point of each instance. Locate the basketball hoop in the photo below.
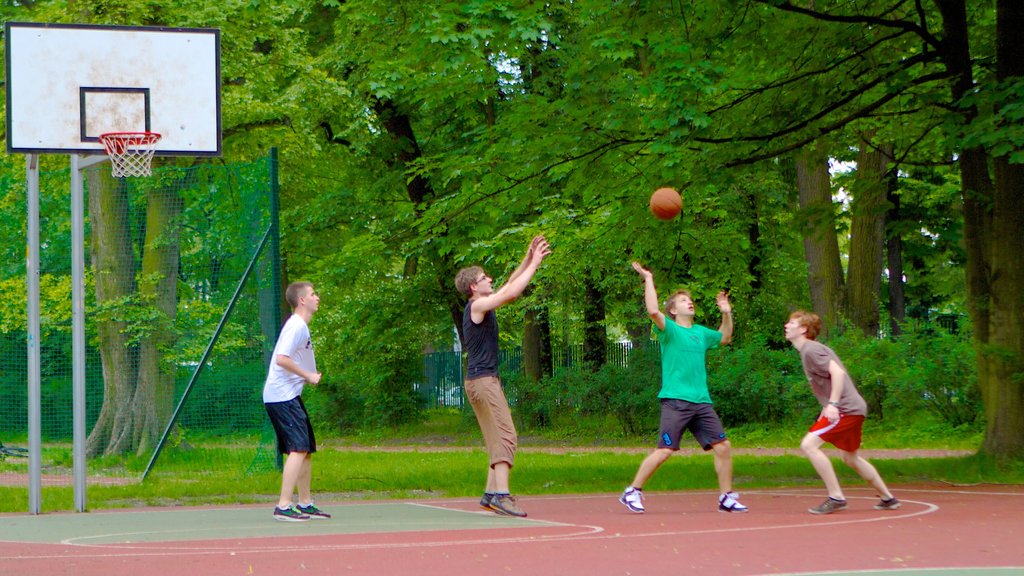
(131, 153)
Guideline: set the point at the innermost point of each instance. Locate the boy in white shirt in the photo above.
(291, 366)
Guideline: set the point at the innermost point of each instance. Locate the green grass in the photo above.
(453, 427)
(408, 464)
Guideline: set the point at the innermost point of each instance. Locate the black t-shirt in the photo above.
(481, 343)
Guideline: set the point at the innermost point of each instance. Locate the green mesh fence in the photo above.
(165, 257)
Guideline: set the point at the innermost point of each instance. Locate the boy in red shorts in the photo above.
(842, 415)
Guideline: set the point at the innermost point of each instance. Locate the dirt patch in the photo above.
(47, 480)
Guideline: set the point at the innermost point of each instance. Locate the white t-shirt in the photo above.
(295, 343)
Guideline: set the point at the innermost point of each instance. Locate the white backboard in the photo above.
(67, 84)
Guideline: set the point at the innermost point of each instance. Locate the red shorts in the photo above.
(844, 434)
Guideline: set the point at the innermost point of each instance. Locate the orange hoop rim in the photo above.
(131, 153)
(130, 138)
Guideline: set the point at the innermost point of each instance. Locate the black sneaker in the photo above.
(506, 504)
(890, 504)
(313, 512)
(289, 514)
(485, 502)
(829, 506)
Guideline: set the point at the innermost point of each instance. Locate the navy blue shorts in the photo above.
(700, 419)
(292, 426)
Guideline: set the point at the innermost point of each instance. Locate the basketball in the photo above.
(666, 203)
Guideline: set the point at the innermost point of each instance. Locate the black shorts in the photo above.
(700, 419)
(292, 426)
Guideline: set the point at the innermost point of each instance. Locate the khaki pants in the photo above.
(495, 419)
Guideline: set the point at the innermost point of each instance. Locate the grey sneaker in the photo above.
(289, 514)
(890, 504)
(312, 511)
(633, 499)
(485, 501)
(730, 502)
(506, 504)
(829, 506)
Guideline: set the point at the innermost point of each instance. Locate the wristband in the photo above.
(831, 403)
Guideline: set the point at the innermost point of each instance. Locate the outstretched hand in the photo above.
(539, 248)
(722, 299)
(643, 272)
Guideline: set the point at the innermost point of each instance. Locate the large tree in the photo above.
(982, 80)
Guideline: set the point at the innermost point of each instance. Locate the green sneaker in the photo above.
(289, 514)
(313, 512)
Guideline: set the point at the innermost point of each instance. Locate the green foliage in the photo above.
(927, 369)
(753, 383)
(367, 373)
(626, 393)
(1000, 127)
(419, 137)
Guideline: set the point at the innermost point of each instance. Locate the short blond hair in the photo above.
(672, 300)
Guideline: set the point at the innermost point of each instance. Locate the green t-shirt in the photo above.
(684, 375)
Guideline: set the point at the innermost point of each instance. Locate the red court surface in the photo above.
(939, 530)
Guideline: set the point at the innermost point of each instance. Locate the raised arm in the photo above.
(726, 308)
(516, 283)
(650, 296)
(526, 258)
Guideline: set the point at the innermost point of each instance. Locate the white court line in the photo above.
(908, 571)
(587, 533)
(482, 512)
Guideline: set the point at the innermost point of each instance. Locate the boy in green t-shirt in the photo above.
(685, 401)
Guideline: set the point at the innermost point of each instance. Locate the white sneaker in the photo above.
(730, 502)
(633, 499)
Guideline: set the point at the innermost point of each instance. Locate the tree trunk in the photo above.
(993, 220)
(754, 234)
(867, 237)
(537, 361)
(595, 335)
(113, 267)
(1003, 352)
(821, 246)
(894, 258)
(154, 393)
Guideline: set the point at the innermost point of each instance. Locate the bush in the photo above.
(922, 370)
(877, 368)
(626, 392)
(632, 391)
(942, 374)
(753, 383)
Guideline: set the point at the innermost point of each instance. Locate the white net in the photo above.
(131, 153)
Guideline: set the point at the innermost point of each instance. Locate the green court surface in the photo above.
(122, 527)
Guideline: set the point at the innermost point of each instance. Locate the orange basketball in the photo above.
(666, 203)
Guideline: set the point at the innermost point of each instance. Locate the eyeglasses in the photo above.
(482, 278)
